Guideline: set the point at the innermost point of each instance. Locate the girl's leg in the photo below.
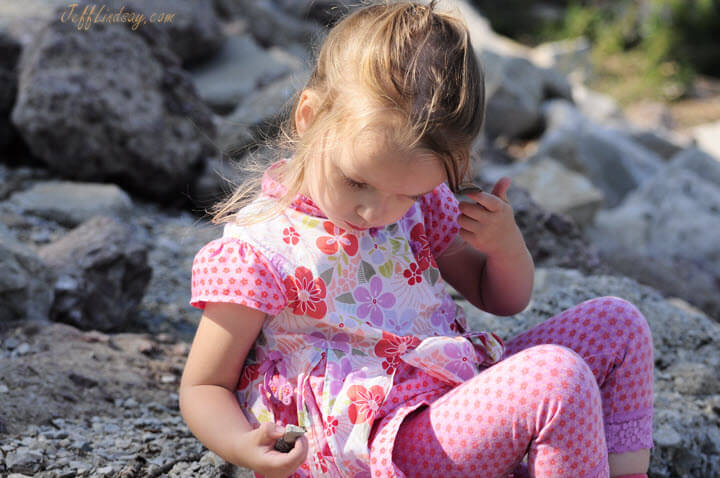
(543, 400)
(614, 339)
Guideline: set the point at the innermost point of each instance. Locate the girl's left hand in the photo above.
(489, 223)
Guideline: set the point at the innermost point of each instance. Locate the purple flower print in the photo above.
(371, 301)
(376, 252)
(400, 322)
(337, 371)
(444, 314)
(462, 359)
(339, 341)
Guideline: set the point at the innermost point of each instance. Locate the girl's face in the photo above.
(369, 186)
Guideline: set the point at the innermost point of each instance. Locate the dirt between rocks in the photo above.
(52, 370)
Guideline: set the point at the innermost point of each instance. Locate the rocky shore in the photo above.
(113, 141)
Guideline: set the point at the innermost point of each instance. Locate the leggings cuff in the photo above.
(630, 435)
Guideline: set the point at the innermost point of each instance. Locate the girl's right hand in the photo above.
(265, 459)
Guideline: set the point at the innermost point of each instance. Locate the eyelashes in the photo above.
(354, 184)
(358, 185)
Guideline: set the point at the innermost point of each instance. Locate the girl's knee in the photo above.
(562, 364)
(569, 371)
(623, 315)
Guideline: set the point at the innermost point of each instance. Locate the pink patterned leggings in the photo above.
(567, 392)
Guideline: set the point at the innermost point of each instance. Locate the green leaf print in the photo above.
(327, 275)
(431, 275)
(365, 272)
(386, 269)
(358, 352)
(346, 298)
(395, 245)
(392, 228)
(309, 222)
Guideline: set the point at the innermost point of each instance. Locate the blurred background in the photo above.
(118, 133)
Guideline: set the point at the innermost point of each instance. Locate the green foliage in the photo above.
(662, 43)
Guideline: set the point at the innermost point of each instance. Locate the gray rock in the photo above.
(136, 120)
(26, 291)
(707, 137)
(698, 162)
(261, 110)
(695, 378)
(271, 25)
(102, 274)
(652, 235)
(552, 239)
(569, 56)
(71, 203)
(9, 55)
(236, 71)
(545, 177)
(193, 30)
(663, 143)
(612, 161)
(515, 90)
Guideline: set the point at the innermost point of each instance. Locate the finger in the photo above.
(501, 187)
(468, 223)
(270, 432)
(475, 211)
(299, 452)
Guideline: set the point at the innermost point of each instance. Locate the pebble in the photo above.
(103, 446)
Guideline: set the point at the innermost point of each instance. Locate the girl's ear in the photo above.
(305, 111)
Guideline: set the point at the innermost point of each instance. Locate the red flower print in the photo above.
(330, 426)
(320, 462)
(249, 373)
(421, 247)
(306, 293)
(290, 236)
(329, 244)
(365, 403)
(413, 274)
(392, 346)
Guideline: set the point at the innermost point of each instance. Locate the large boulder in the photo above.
(71, 203)
(559, 189)
(611, 160)
(665, 233)
(515, 86)
(112, 104)
(191, 25)
(240, 68)
(9, 55)
(102, 272)
(271, 25)
(26, 291)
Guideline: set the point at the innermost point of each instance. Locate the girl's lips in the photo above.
(356, 227)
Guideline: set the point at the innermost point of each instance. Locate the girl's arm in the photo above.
(207, 399)
(498, 284)
(488, 261)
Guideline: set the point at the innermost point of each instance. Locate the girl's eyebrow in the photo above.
(353, 177)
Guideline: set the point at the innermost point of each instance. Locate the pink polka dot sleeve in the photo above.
(230, 270)
(440, 209)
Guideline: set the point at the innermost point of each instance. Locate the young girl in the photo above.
(325, 301)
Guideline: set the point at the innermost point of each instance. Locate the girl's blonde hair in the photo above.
(400, 69)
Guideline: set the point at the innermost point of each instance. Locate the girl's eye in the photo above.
(354, 184)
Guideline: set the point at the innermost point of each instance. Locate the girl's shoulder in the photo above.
(440, 211)
(229, 269)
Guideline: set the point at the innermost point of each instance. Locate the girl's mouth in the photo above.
(355, 227)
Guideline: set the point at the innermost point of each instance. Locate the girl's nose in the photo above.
(372, 214)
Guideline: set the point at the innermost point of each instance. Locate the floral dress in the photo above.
(350, 316)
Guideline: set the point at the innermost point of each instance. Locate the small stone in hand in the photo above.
(287, 442)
